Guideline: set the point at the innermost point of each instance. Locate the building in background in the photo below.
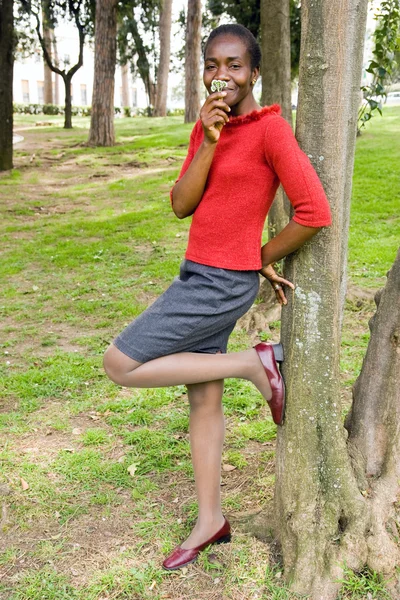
(28, 86)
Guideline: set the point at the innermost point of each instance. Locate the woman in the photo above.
(238, 154)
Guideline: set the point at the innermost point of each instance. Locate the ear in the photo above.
(255, 75)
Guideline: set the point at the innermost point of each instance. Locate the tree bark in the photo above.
(160, 109)
(374, 427)
(125, 85)
(68, 103)
(276, 85)
(143, 64)
(105, 56)
(47, 39)
(321, 513)
(192, 61)
(56, 77)
(6, 84)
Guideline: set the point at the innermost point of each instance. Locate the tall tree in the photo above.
(6, 83)
(56, 99)
(48, 34)
(102, 120)
(321, 511)
(125, 85)
(131, 45)
(374, 428)
(79, 12)
(160, 109)
(276, 84)
(192, 61)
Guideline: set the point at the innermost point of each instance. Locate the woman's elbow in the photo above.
(179, 212)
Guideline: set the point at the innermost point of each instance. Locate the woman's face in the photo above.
(228, 59)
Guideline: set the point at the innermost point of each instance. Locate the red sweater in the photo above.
(255, 152)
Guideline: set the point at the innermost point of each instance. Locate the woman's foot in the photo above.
(269, 355)
(181, 557)
(202, 532)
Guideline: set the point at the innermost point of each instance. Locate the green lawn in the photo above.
(88, 241)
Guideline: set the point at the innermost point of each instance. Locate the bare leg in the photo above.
(186, 368)
(207, 431)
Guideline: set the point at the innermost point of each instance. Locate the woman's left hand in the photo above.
(277, 282)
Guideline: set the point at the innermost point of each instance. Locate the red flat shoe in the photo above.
(180, 557)
(270, 355)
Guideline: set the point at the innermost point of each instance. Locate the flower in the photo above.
(217, 85)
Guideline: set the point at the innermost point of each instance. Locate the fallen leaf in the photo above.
(228, 468)
(77, 431)
(175, 501)
(153, 584)
(132, 469)
(121, 458)
(25, 485)
(69, 449)
(94, 417)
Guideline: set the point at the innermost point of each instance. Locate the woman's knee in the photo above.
(206, 396)
(117, 365)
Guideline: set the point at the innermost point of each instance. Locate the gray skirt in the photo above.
(197, 313)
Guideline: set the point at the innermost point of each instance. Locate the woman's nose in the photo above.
(222, 74)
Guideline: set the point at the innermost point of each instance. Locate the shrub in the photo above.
(51, 109)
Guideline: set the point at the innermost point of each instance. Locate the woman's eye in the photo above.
(235, 66)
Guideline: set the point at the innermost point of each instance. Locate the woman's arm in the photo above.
(290, 239)
(188, 191)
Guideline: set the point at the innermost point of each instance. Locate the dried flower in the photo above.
(217, 85)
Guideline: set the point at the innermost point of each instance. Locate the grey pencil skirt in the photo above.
(197, 313)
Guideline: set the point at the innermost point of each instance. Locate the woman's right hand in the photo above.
(213, 115)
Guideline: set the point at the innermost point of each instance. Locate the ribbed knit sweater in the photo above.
(255, 152)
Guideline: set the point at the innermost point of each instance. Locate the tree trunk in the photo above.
(276, 85)
(192, 61)
(105, 56)
(143, 64)
(160, 109)
(47, 39)
(125, 85)
(68, 103)
(321, 513)
(56, 76)
(6, 84)
(374, 427)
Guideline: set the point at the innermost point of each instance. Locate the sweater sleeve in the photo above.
(297, 175)
(190, 154)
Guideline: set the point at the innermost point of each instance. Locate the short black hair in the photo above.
(244, 34)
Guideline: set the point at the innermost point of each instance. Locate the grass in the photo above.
(88, 241)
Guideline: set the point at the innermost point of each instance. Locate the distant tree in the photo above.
(192, 61)
(135, 20)
(160, 109)
(6, 83)
(276, 84)
(105, 53)
(79, 11)
(383, 65)
(48, 34)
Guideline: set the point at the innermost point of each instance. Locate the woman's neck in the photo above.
(244, 107)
